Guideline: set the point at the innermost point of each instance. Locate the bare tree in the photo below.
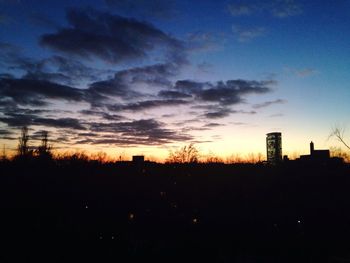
(186, 154)
(4, 156)
(234, 158)
(23, 149)
(338, 133)
(212, 158)
(100, 157)
(44, 150)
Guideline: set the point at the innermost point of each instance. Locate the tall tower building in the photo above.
(274, 147)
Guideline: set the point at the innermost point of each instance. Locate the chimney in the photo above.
(311, 148)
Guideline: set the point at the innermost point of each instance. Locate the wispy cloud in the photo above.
(268, 103)
(276, 115)
(275, 8)
(285, 8)
(301, 73)
(241, 9)
(247, 34)
(145, 8)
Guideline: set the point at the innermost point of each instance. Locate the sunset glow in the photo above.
(146, 77)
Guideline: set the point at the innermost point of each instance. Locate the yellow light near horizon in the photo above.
(241, 143)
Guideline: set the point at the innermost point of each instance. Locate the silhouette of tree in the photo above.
(212, 158)
(4, 156)
(100, 157)
(44, 150)
(338, 133)
(23, 149)
(337, 152)
(186, 154)
(234, 158)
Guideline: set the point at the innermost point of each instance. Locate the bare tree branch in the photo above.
(338, 133)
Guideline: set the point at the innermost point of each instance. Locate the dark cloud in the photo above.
(224, 112)
(104, 115)
(76, 70)
(36, 92)
(56, 68)
(20, 120)
(173, 94)
(225, 93)
(17, 120)
(148, 104)
(88, 134)
(168, 115)
(6, 76)
(145, 132)
(111, 38)
(125, 82)
(269, 103)
(213, 124)
(69, 123)
(217, 114)
(5, 132)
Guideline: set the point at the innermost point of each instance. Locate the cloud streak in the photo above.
(247, 34)
(268, 103)
(275, 8)
(36, 92)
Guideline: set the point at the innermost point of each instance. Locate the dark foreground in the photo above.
(76, 212)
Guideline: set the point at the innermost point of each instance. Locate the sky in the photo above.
(149, 76)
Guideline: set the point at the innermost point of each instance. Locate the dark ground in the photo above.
(78, 211)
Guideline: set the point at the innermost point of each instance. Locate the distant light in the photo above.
(299, 222)
(131, 216)
(112, 237)
(194, 220)
(86, 207)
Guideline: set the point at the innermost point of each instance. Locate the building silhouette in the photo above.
(316, 155)
(274, 147)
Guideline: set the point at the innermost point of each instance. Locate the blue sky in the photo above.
(144, 77)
